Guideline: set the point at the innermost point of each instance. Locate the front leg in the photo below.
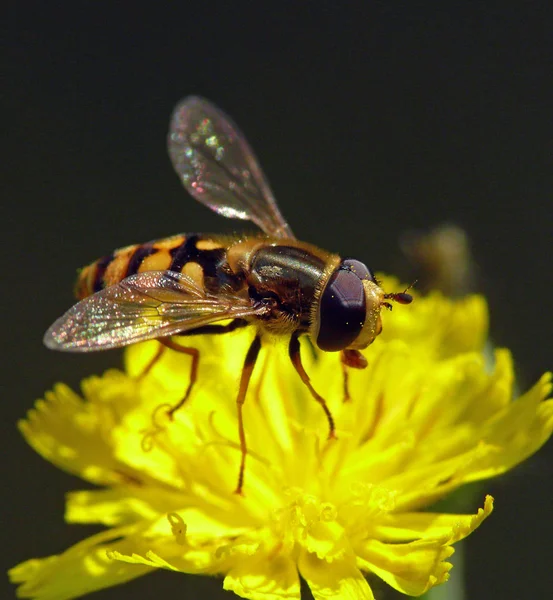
(355, 360)
(294, 353)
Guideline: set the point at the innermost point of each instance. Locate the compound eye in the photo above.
(357, 267)
(341, 311)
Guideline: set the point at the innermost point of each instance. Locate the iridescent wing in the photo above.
(142, 307)
(219, 169)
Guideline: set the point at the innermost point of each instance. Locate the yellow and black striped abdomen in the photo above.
(200, 256)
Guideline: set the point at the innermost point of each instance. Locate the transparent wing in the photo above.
(142, 307)
(218, 168)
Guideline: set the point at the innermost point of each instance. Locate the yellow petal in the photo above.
(414, 567)
(178, 560)
(422, 486)
(119, 506)
(269, 579)
(71, 433)
(338, 580)
(514, 433)
(81, 569)
(437, 328)
(411, 568)
(405, 527)
(170, 543)
(171, 556)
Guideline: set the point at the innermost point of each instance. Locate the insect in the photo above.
(188, 284)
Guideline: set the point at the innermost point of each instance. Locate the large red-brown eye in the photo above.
(360, 269)
(341, 311)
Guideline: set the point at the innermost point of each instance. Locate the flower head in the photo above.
(425, 417)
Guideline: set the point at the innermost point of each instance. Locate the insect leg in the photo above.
(152, 362)
(294, 353)
(355, 360)
(217, 329)
(345, 373)
(195, 354)
(249, 364)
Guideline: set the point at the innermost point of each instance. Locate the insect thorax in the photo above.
(291, 277)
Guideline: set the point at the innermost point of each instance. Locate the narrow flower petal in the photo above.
(411, 568)
(74, 435)
(183, 560)
(414, 567)
(338, 580)
(119, 506)
(272, 579)
(403, 527)
(81, 569)
(457, 327)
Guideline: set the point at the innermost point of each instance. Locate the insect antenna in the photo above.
(399, 297)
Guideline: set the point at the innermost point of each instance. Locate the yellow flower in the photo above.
(426, 417)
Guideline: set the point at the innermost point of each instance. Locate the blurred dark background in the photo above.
(369, 122)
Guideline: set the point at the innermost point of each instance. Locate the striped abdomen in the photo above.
(202, 257)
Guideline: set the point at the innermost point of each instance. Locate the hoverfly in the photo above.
(187, 284)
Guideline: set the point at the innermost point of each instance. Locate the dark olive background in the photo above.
(368, 122)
